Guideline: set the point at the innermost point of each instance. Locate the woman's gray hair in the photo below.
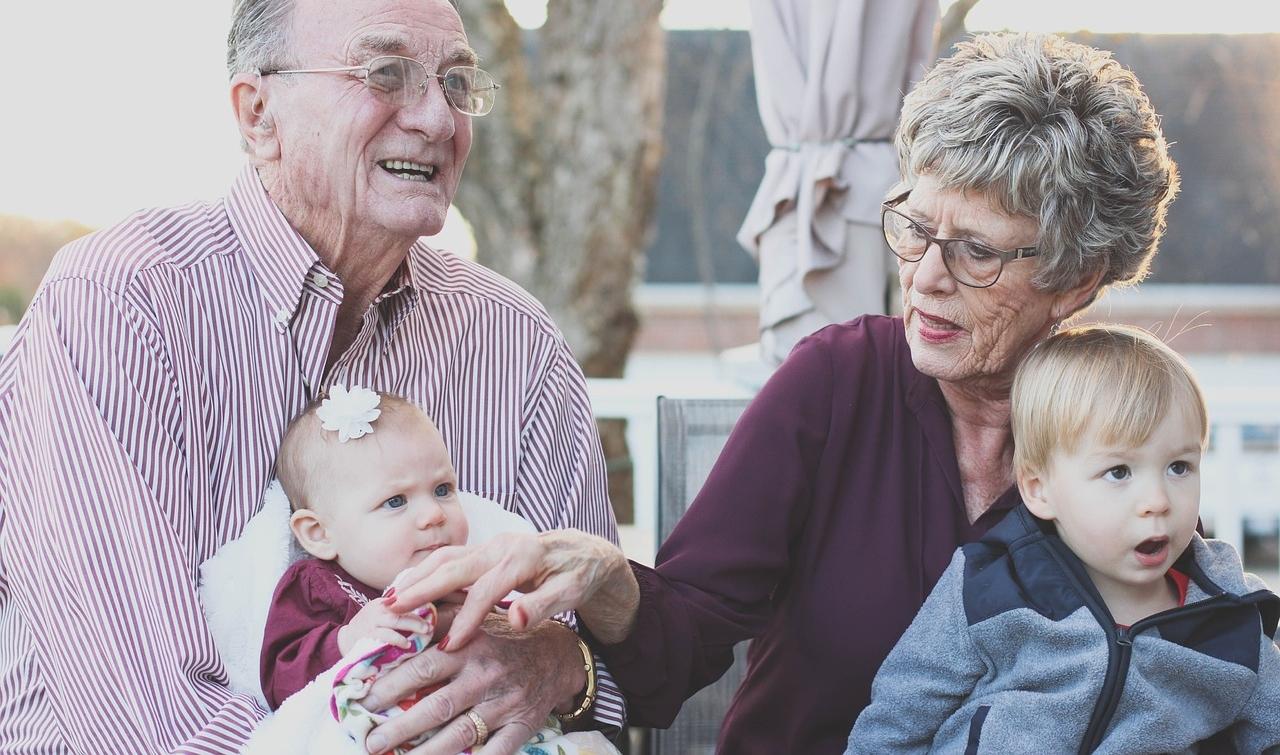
(259, 35)
(1052, 130)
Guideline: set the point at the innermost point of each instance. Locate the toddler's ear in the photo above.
(312, 535)
(1031, 486)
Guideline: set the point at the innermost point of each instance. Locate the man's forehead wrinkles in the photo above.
(381, 42)
(392, 43)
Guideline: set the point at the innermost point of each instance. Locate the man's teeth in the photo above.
(409, 170)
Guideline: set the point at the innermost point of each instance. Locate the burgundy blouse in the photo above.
(313, 600)
(834, 508)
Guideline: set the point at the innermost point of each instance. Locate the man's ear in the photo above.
(1068, 303)
(312, 535)
(257, 129)
(1031, 486)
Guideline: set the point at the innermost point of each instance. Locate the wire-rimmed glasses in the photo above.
(971, 263)
(401, 81)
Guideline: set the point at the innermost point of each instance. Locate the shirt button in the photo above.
(320, 280)
(282, 317)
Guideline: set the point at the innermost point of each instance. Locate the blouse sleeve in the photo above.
(715, 574)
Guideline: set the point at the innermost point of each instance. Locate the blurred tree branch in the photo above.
(951, 28)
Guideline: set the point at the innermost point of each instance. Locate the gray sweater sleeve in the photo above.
(1258, 730)
(930, 673)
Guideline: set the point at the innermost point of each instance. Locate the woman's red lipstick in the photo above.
(936, 329)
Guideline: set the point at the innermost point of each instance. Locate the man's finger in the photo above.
(508, 739)
(436, 710)
(455, 737)
(428, 668)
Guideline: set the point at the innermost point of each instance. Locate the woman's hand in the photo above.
(558, 571)
(511, 680)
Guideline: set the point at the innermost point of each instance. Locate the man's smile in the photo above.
(409, 170)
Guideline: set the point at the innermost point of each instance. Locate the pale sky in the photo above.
(115, 106)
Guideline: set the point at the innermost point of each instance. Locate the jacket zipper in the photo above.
(1120, 653)
(1119, 647)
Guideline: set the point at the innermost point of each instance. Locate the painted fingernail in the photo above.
(376, 744)
(521, 616)
(390, 593)
(444, 643)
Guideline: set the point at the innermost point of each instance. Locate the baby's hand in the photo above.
(377, 622)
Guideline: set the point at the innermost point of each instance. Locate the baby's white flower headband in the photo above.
(350, 413)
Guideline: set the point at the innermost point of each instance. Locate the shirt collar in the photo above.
(277, 255)
(283, 262)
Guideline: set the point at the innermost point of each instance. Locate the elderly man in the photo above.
(148, 387)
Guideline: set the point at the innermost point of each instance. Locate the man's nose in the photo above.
(430, 114)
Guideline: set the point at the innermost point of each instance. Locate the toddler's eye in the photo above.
(443, 490)
(395, 502)
(1180, 468)
(1117, 473)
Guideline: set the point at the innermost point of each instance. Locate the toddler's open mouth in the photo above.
(1153, 550)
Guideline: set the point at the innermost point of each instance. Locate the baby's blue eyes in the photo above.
(1180, 468)
(443, 490)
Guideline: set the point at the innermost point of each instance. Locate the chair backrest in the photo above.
(691, 434)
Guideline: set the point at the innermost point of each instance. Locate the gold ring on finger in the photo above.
(482, 729)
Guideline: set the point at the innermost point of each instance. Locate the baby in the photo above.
(1094, 617)
(366, 505)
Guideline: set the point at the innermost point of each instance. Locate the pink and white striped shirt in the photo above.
(141, 403)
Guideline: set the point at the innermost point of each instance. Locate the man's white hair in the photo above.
(259, 35)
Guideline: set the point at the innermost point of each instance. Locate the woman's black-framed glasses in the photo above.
(971, 263)
(401, 81)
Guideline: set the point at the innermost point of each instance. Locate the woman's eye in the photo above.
(1117, 473)
(395, 502)
(976, 253)
(443, 490)
(1180, 468)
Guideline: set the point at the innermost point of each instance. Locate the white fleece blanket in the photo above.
(236, 586)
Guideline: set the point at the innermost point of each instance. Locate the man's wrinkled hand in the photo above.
(512, 680)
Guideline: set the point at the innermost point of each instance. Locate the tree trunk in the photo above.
(562, 175)
(561, 181)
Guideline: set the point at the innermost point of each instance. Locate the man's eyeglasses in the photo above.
(402, 81)
(972, 263)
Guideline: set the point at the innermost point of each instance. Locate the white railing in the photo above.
(1240, 477)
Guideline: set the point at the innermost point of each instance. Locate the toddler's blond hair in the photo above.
(1113, 380)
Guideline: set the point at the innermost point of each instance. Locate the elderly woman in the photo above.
(1034, 177)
